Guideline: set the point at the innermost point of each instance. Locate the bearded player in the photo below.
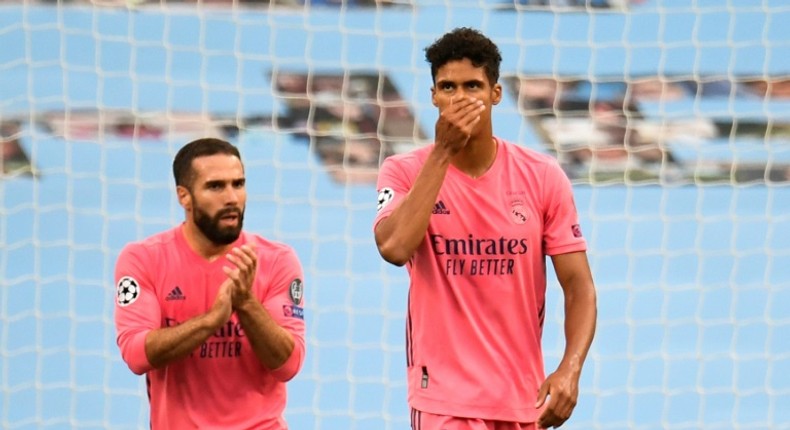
(212, 315)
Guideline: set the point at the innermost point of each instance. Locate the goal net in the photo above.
(672, 118)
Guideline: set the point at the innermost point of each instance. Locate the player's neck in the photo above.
(477, 157)
(201, 244)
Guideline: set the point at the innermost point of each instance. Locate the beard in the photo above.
(211, 228)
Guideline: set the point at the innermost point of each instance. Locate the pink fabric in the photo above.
(427, 421)
(222, 384)
(478, 281)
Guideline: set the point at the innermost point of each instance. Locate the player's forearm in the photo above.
(168, 344)
(271, 343)
(399, 235)
(580, 321)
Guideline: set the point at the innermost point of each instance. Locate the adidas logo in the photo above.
(176, 294)
(440, 209)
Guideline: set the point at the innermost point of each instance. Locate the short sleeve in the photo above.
(392, 185)
(562, 232)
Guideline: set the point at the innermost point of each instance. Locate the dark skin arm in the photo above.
(399, 235)
(562, 386)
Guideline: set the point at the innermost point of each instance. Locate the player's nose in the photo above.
(232, 196)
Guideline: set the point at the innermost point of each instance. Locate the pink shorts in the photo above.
(427, 421)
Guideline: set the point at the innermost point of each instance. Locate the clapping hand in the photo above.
(241, 273)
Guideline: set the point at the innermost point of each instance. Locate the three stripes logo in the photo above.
(176, 294)
(440, 209)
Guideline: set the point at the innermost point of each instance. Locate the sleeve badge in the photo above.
(128, 290)
(296, 291)
(385, 197)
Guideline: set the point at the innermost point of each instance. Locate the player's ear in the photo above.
(433, 96)
(496, 94)
(184, 197)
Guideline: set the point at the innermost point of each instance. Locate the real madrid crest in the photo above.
(518, 212)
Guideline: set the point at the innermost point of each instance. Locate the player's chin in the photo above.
(232, 231)
(228, 235)
(478, 131)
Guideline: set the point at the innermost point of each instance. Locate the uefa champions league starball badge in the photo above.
(128, 291)
(385, 197)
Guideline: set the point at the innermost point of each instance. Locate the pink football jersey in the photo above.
(478, 281)
(162, 282)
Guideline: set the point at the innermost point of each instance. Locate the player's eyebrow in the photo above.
(442, 82)
(212, 182)
(474, 81)
(216, 182)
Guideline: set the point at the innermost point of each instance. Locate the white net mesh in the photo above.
(670, 116)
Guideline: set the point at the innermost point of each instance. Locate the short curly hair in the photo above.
(465, 42)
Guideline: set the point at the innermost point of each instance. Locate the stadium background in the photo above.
(688, 224)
